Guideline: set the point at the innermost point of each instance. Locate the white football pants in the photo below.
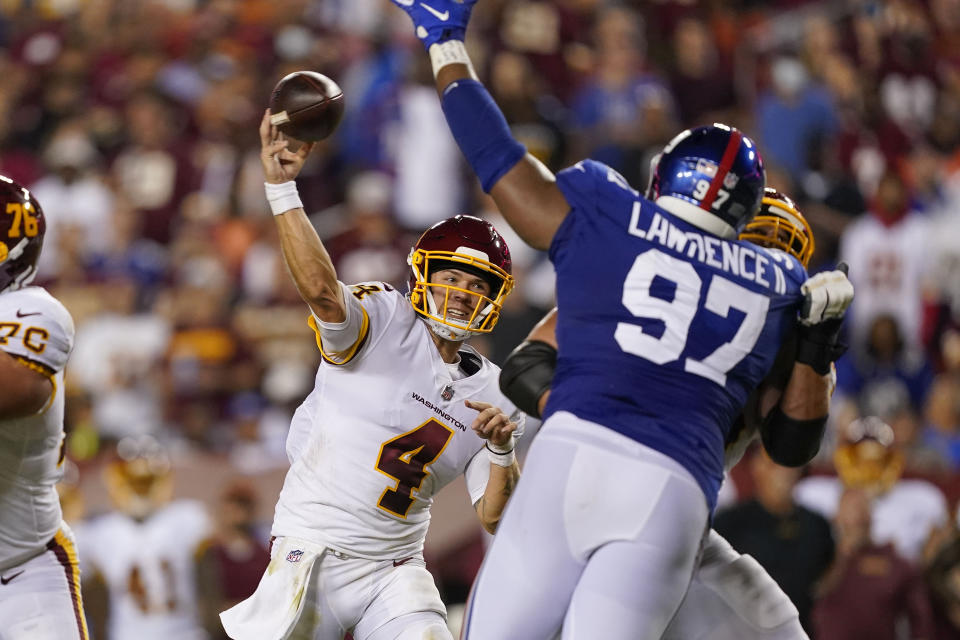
(40, 598)
(601, 537)
(312, 593)
(732, 597)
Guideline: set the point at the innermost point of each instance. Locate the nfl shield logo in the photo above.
(295, 555)
(447, 392)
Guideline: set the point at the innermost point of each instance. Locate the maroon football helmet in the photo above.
(22, 226)
(468, 244)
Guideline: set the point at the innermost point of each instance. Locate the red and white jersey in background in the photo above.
(888, 267)
(38, 331)
(382, 432)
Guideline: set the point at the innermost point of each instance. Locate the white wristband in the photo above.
(282, 197)
(447, 53)
(502, 455)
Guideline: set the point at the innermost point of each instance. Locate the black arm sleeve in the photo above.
(527, 374)
(789, 442)
(819, 345)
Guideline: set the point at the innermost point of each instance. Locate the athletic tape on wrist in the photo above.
(504, 458)
(502, 455)
(282, 197)
(447, 53)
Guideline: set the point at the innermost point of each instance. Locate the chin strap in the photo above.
(446, 331)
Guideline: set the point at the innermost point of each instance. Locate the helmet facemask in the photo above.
(867, 457)
(139, 481)
(780, 225)
(439, 315)
(26, 274)
(653, 179)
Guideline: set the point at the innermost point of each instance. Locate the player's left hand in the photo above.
(438, 20)
(826, 296)
(279, 163)
(492, 424)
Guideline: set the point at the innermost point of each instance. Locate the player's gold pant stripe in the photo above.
(344, 356)
(66, 553)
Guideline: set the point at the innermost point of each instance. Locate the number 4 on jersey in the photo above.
(404, 459)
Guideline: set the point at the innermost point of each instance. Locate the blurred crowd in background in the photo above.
(134, 122)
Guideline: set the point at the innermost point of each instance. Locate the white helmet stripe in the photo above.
(475, 253)
(783, 213)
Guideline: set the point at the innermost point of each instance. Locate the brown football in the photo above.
(306, 105)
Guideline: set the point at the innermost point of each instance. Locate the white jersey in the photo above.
(887, 267)
(38, 331)
(382, 432)
(149, 569)
(904, 516)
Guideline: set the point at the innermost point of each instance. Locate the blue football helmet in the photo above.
(716, 168)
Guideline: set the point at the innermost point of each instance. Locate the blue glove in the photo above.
(438, 20)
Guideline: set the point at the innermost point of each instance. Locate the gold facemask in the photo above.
(485, 313)
(780, 225)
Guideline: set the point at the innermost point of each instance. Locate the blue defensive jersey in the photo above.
(663, 329)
